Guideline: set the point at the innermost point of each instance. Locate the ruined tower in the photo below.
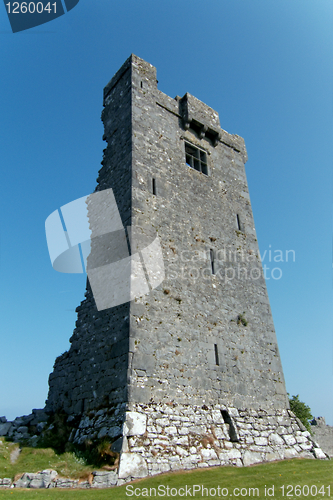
(197, 356)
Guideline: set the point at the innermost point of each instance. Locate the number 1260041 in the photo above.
(31, 7)
(290, 490)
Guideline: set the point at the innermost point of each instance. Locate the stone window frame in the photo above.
(196, 158)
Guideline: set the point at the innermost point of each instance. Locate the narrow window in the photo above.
(238, 223)
(154, 187)
(212, 261)
(141, 85)
(232, 429)
(216, 355)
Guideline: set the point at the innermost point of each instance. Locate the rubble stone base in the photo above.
(155, 438)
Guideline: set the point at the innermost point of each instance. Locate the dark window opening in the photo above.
(196, 158)
(154, 186)
(141, 85)
(212, 261)
(216, 355)
(238, 223)
(231, 427)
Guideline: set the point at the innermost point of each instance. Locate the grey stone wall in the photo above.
(323, 434)
(175, 328)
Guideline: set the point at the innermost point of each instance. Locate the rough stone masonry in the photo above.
(188, 375)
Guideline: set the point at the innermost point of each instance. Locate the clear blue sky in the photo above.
(265, 66)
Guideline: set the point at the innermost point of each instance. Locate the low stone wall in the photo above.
(155, 438)
(49, 479)
(161, 438)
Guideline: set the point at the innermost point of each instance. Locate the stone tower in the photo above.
(196, 357)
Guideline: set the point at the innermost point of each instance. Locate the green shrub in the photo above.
(301, 410)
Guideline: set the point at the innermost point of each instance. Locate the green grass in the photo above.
(290, 472)
(37, 459)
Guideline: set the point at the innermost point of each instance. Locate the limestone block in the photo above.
(271, 456)
(181, 451)
(36, 483)
(114, 431)
(4, 428)
(232, 454)
(306, 454)
(6, 482)
(181, 440)
(275, 439)
(25, 480)
(233, 412)
(171, 430)
(132, 465)
(208, 454)
(63, 482)
(319, 453)
(104, 479)
(301, 439)
(218, 432)
(23, 429)
(306, 446)
(260, 441)
(290, 453)
(163, 422)
(85, 422)
(135, 424)
(217, 417)
(214, 463)
(198, 429)
(289, 439)
(252, 457)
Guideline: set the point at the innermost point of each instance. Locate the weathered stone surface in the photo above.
(4, 428)
(275, 439)
(38, 480)
(252, 457)
(135, 424)
(62, 482)
(290, 440)
(319, 453)
(6, 482)
(25, 480)
(132, 465)
(104, 479)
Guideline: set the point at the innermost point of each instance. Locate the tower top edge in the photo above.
(191, 108)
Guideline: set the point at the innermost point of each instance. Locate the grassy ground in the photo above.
(37, 459)
(312, 479)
